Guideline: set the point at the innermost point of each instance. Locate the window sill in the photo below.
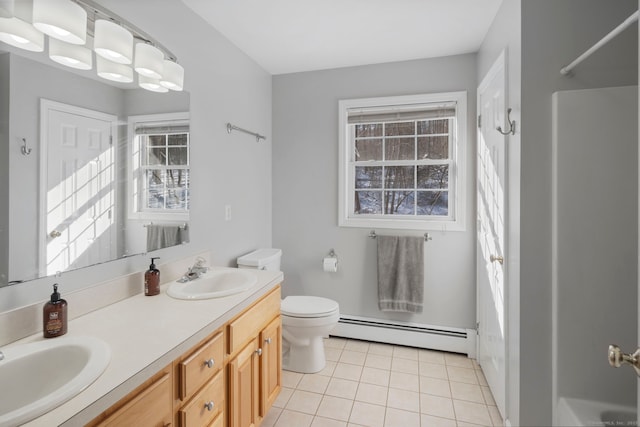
(399, 224)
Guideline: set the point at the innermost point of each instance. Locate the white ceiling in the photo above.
(286, 36)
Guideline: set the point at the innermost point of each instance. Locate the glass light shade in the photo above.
(113, 71)
(71, 55)
(21, 34)
(113, 42)
(172, 75)
(61, 19)
(151, 84)
(149, 61)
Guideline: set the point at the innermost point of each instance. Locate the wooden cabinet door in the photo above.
(243, 387)
(270, 364)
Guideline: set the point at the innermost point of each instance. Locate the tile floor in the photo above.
(382, 385)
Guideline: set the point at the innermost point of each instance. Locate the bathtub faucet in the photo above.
(617, 358)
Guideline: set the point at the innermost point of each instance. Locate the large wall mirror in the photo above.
(92, 171)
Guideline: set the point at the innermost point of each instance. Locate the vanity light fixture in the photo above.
(61, 19)
(113, 71)
(172, 75)
(151, 84)
(71, 55)
(149, 61)
(18, 33)
(113, 42)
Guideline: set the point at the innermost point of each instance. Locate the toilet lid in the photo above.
(303, 306)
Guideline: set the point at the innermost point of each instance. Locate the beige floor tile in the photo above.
(381, 349)
(481, 378)
(367, 414)
(403, 399)
(336, 408)
(404, 381)
(405, 365)
(463, 424)
(431, 421)
(291, 379)
(399, 418)
(339, 387)
(304, 401)
(431, 356)
(462, 375)
(332, 354)
(326, 422)
(433, 370)
(283, 397)
(460, 360)
(370, 393)
(435, 386)
(464, 391)
(436, 406)
(314, 383)
(272, 416)
(375, 376)
(379, 362)
(355, 345)
(335, 342)
(347, 371)
(488, 396)
(496, 418)
(353, 357)
(470, 412)
(405, 352)
(291, 418)
(328, 369)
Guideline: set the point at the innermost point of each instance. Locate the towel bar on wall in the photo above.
(373, 235)
(180, 226)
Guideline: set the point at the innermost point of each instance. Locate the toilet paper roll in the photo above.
(330, 264)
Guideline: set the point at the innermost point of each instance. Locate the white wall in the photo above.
(4, 168)
(553, 34)
(225, 85)
(305, 199)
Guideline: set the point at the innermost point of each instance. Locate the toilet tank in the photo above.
(261, 259)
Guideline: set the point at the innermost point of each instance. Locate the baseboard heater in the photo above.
(455, 340)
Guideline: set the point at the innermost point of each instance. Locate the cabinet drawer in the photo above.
(196, 413)
(200, 366)
(218, 422)
(248, 325)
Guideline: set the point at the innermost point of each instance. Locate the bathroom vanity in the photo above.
(214, 362)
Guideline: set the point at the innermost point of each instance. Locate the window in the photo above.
(401, 161)
(160, 166)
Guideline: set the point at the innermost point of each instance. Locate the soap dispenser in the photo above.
(152, 279)
(54, 316)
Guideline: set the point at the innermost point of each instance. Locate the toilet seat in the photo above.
(308, 307)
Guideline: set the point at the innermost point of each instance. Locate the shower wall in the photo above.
(595, 217)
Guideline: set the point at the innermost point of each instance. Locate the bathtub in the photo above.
(579, 412)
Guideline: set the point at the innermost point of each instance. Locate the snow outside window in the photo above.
(160, 166)
(400, 161)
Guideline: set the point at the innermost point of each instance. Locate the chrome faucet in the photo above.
(195, 271)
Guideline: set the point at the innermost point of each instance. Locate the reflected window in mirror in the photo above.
(159, 160)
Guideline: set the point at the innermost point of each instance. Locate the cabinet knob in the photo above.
(259, 352)
(268, 340)
(209, 363)
(209, 405)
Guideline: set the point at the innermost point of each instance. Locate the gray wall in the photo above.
(305, 199)
(4, 168)
(553, 34)
(225, 85)
(505, 34)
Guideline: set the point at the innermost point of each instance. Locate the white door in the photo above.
(491, 251)
(78, 187)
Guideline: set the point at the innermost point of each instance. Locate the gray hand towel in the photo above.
(163, 236)
(400, 273)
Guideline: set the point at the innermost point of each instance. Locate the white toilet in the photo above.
(306, 320)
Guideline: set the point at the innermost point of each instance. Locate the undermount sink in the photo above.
(39, 376)
(213, 284)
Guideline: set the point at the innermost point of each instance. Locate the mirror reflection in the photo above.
(95, 171)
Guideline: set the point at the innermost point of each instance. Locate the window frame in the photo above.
(455, 221)
(136, 171)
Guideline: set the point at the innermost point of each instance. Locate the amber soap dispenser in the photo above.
(152, 279)
(54, 316)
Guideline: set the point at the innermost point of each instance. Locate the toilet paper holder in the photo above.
(330, 262)
(332, 253)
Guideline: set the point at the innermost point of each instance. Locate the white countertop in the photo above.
(145, 334)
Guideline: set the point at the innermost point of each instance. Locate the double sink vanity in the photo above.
(208, 355)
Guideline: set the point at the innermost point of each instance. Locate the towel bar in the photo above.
(373, 235)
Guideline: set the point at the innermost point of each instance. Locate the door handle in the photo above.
(55, 233)
(617, 358)
(494, 258)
